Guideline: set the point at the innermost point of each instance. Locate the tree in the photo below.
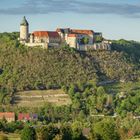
(101, 98)
(58, 137)
(42, 133)
(84, 40)
(66, 132)
(100, 91)
(106, 130)
(52, 131)
(28, 133)
(98, 39)
(77, 131)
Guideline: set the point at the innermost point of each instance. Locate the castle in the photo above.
(78, 39)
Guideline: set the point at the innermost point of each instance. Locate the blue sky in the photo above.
(115, 18)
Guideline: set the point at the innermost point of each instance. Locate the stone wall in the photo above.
(95, 46)
(42, 45)
(24, 33)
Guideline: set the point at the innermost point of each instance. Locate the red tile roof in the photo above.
(46, 34)
(72, 35)
(88, 32)
(7, 115)
(23, 116)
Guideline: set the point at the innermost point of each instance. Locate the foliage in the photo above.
(98, 39)
(84, 40)
(24, 68)
(35, 68)
(77, 131)
(28, 133)
(131, 48)
(129, 103)
(47, 132)
(105, 130)
(113, 65)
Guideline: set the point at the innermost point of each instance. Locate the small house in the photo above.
(24, 117)
(8, 116)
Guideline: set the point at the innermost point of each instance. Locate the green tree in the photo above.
(101, 98)
(101, 91)
(84, 40)
(98, 39)
(66, 132)
(28, 133)
(106, 130)
(77, 131)
(42, 133)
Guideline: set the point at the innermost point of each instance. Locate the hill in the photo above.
(24, 68)
(29, 75)
(131, 48)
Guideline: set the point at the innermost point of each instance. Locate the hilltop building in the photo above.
(75, 38)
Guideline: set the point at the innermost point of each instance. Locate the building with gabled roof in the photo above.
(23, 117)
(49, 38)
(8, 116)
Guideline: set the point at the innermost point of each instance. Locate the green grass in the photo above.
(36, 98)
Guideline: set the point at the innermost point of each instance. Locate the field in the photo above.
(37, 98)
(10, 136)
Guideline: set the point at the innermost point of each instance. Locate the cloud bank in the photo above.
(73, 6)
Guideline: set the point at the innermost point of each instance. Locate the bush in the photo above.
(28, 133)
(106, 130)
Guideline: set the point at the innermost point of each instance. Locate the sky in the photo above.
(116, 19)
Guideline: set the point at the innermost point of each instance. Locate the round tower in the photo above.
(24, 30)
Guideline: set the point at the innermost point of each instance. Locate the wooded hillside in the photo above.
(35, 68)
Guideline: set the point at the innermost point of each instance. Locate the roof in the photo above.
(72, 35)
(7, 114)
(46, 34)
(24, 22)
(63, 30)
(22, 116)
(88, 32)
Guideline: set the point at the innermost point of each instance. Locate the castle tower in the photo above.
(24, 30)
